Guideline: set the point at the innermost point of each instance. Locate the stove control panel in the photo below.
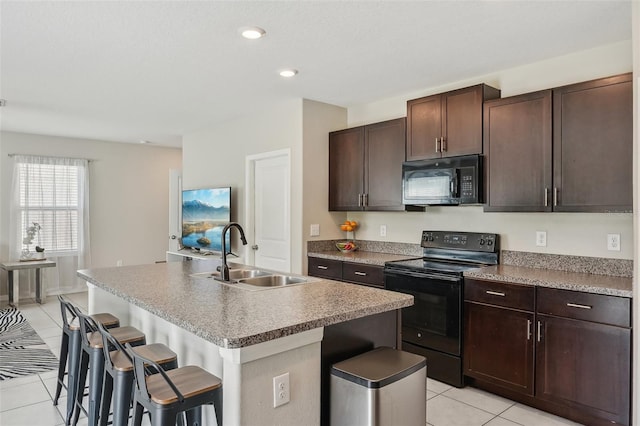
(474, 241)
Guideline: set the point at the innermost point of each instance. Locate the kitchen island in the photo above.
(245, 337)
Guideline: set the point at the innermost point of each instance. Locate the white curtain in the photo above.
(53, 192)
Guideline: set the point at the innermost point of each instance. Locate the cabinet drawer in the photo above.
(363, 274)
(500, 294)
(585, 306)
(325, 268)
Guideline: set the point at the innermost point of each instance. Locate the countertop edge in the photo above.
(558, 284)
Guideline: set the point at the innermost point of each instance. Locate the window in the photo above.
(51, 192)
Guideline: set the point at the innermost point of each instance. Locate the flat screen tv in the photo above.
(205, 212)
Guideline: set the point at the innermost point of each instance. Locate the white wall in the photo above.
(567, 233)
(216, 157)
(318, 120)
(129, 194)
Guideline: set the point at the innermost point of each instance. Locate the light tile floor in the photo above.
(27, 401)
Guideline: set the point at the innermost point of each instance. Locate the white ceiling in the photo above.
(132, 70)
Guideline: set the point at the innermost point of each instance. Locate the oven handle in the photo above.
(422, 275)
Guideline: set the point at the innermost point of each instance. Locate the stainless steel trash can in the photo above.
(380, 387)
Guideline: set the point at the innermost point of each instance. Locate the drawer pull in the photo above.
(322, 267)
(528, 329)
(575, 305)
(362, 274)
(495, 293)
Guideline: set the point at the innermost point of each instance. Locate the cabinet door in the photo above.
(498, 346)
(346, 169)
(324, 268)
(462, 121)
(518, 149)
(384, 154)
(593, 144)
(424, 126)
(586, 366)
(363, 274)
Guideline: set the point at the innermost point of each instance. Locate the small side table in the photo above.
(16, 265)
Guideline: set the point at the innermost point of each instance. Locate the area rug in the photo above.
(22, 351)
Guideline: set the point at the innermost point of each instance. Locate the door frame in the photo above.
(249, 213)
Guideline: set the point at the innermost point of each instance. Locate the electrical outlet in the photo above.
(118, 262)
(315, 230)
(281, 390)
(541, 238)
(613, 242)
(383, 230)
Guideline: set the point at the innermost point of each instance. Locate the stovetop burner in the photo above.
(452, 253)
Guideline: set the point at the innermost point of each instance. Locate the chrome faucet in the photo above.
(224, 270)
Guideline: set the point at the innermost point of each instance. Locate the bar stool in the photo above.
(165, 394)
(70, 349)
(118, 374)
(92, 359)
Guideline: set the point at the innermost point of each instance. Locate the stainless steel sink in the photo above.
(235, 274)
(273, 281)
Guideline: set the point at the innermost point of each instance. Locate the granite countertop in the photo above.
(233, 317)
(589, 283)
(365, 257)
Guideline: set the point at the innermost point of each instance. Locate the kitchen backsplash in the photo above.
(584, 264)
(372, 246)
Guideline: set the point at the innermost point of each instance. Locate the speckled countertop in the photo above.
(233, 317)
(366, 257)
(589, 283)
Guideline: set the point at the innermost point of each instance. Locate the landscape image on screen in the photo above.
(205, 212)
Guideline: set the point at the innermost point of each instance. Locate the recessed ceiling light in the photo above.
(288, 73)
(252, 33)
(144, 141)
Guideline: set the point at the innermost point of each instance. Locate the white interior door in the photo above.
(269, 207)
(175, 208)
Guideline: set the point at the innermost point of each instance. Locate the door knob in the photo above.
(255, 247)
(173, 237)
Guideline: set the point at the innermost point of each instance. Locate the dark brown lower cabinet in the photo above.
(585, 366)
(499, 346)
(570, 356)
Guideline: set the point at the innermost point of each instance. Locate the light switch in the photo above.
(315, 230)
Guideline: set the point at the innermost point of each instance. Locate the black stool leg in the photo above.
(194, 416)
(62, 366)
(82, 378)
(72, 372)
(107, 391)
(163, 418)
(217, 405)
(96, 374)
(123, 386)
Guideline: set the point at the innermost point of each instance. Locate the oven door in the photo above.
(434, 321)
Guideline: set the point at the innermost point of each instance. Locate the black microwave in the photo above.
(442, 181)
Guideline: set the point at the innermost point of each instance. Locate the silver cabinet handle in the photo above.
(365, 197)
(443, 144)
(254, 247)
(322, 267)
(359, 200)
(539, 330)
(575, 305)
(546, 197)
(362, 274)
(437, 145)
(528, 329)
(555, 196)
(495, 293)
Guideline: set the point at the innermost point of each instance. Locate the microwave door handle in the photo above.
(454, 185)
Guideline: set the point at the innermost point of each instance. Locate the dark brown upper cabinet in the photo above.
(447, 124)
(518, 150)
(593, 146)
(566, 150)
(365, 167)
